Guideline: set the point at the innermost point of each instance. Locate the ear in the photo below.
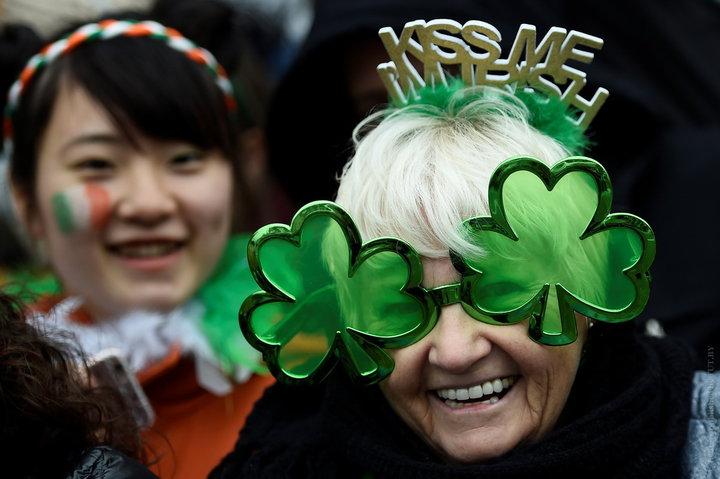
(26, 212)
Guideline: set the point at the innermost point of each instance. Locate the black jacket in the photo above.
(627, 417)
(107, 463)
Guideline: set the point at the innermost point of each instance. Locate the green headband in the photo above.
(552, 249)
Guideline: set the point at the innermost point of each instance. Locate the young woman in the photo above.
(125, 172)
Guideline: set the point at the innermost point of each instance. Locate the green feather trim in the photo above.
(546, 114)
(222, 296)
(552, 117)
(28, 285)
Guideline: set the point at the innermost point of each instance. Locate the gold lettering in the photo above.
(388, 75)
(548, 51)
(484, 36)
(407, 77)
(524, 40)
(530, 66)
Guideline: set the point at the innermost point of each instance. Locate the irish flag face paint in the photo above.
(81, 208)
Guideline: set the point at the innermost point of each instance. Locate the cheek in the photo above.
(550, 375)
(208, 199)
(81, 208)
(405, 387)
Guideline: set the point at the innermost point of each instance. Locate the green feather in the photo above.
(222, 295)
(552, 117)
(546, 114)
(27, 285)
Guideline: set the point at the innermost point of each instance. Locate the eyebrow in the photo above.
(92, 138)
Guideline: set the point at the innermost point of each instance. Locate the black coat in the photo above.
(627, 417)
(107, 463)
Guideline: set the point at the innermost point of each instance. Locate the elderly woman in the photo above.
(486, 360)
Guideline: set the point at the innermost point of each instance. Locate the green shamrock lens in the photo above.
(551, 249)
(328, 297)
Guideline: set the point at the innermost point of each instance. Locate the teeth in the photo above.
(476, 392)
(452, 396)
(487, 388)
(147, 250)
(497, 385)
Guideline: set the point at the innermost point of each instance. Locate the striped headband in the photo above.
(105, 30)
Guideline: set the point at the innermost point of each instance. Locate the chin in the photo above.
(156, 301)
(473, 456)
(470, 451)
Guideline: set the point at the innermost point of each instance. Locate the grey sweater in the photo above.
(702, 452)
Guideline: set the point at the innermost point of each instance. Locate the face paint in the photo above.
(81, 207)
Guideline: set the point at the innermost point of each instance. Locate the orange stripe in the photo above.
(196, 56)
(99, 200)
(107, 23)
(26, 74)
(74, 40)
(172, 33)
(138, 30)
(8, 127)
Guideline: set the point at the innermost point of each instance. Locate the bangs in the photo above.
(149, 88)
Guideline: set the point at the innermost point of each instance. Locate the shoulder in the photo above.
(706, 396)
(702, 452)
(106, 463)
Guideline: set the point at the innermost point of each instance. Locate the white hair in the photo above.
(423, 170)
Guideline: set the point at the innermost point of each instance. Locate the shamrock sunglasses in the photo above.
(550, 248)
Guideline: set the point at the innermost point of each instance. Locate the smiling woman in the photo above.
(126, 170)
(152, 219)
(505, 253)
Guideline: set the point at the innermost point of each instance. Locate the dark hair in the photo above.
(49, 414)
(240, 39)
(17, 44)
(145, 86)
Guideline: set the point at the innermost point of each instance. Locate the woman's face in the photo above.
(126, 225)
(461, 357)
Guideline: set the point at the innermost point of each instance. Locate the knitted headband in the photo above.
(105, 30)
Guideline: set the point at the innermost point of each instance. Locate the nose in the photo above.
(457, 341)
(146, 200)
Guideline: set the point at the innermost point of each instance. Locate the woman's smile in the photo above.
(473, 390)
(478, 397)
(165, 215)
(148, 254)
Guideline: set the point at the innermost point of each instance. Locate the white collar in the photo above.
(144, 338)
